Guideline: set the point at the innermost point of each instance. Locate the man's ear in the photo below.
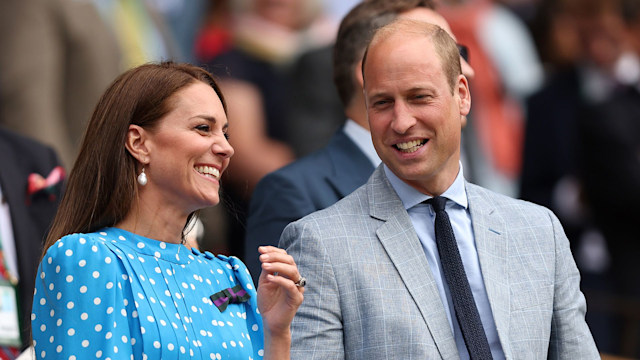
(463, 95)
(136, 143)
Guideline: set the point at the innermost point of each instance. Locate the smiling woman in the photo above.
(184, 154)
(116, 280)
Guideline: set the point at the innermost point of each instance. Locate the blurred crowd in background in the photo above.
(555, 117)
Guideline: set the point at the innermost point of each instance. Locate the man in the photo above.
(30, 189)
(320, 179)
(378, 285)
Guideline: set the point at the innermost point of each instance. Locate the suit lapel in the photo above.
(401, 243)
(14, 185)
(351, 167)
(489, 231)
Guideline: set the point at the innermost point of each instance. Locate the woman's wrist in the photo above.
(277, 345)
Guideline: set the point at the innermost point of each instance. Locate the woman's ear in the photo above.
(136, 143)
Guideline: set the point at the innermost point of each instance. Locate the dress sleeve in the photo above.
(81, 303)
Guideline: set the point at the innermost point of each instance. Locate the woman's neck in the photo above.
(158, 223)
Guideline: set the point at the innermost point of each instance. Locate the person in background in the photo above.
(508, 70)
(418, 263)
(609, 172)
(31, 183)
(115, 280)
(76, 53)
(319, 180)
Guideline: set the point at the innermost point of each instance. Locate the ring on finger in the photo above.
(301, 282)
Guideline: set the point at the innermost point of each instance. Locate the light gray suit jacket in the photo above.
(371, 295)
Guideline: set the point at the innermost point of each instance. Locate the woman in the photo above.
(115, 280)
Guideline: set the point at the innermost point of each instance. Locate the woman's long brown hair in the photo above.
(101, 187)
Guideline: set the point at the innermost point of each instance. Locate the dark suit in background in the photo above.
(31, 216)
(315, 104)
(307, 185)
(610, 169)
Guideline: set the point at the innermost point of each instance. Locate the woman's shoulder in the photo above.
(94, 242)
(77, 250)
(81, 262)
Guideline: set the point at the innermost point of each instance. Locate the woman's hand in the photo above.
(278, 300)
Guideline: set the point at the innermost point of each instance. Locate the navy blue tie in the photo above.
(463, 303)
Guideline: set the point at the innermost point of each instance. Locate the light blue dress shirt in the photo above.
(423, 217)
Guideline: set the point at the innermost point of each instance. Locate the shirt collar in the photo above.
(411, 197)
(362, 138)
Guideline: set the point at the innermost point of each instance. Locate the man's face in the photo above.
(414, 118)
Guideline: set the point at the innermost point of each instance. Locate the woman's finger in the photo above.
(288, 271)
(274, 257)
(266, 249)
(286, 284)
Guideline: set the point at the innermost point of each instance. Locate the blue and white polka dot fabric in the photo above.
(116, 295)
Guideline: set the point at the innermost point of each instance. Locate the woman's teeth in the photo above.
(208, 171)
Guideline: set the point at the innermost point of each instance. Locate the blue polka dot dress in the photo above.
(116, 295)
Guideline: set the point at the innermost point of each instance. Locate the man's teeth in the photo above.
(208, 171)
(410, 146)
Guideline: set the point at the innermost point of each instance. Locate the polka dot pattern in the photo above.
(113, 294)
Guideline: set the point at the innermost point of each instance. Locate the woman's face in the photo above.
(188, 150)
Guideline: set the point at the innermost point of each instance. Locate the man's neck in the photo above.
(357, 111)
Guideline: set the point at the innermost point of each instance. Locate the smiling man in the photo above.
(320, 179)
(418, 263)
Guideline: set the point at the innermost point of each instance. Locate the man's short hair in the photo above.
(355, 32)
(444, 45)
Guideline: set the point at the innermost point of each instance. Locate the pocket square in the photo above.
(38, 184)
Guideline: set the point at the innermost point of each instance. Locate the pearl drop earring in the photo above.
(142, 178)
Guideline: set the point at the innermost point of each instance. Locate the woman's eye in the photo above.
(226, 136)
(203, 127)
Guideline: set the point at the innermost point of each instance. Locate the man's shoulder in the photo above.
(354, 204)
(305, 167)
(299, 179)
(24, 155)
(348, 217)
(21, 143)
(340, 159)
(502, 203)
